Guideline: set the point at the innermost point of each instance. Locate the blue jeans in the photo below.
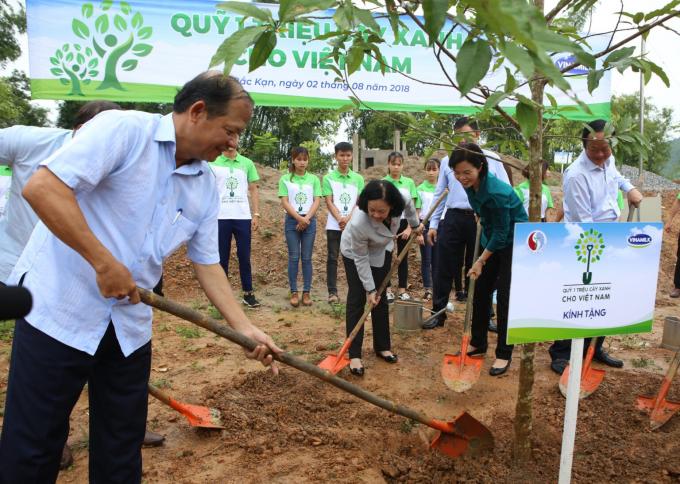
(300, 246)
(428, 261)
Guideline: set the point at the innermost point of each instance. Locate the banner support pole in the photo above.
(571, 411)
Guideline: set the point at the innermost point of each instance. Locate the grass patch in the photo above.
(188, 332)
(214, 313)
(642, 362)
(334, 310)
(407, 426)
(6, 330)
(267, 234)
(161, 383)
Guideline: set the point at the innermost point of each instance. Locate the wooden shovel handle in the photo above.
(160, 395)
(467, 326)
(225, 331)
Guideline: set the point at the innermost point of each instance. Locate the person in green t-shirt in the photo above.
(425, 199)
(300, 194)
(548, 212)
(675, 209)
(237, 178)
(407, 188)
(340, 188)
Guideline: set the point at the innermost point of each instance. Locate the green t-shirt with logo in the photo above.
(233, 177)
(522, 191)
(406, 186)
(5, 183)
(300, 190)
(345, 190)
(425, 197)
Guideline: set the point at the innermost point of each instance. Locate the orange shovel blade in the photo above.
(468, 436)
(198, 416)
(334, 364)
(660, 415)
(459, 375)
(590, 381)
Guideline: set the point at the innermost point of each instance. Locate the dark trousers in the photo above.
(402, 270)
(241, 230)
(46, 378)
(676, 278)
(455, 244)
(428, 261)
(333, 245)
(496, 273)
(561, 349)
(356, 301)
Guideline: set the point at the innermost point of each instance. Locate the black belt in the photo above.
(466, 211)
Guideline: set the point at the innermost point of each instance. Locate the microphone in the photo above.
(15, 302)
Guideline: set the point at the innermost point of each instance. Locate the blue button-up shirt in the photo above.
(22, 148)
(140, 206)
(591, 191)
(457, 198)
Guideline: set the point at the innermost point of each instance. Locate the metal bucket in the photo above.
(408, 315)
(671, 333)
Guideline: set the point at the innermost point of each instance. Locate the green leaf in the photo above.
(520, 58)
(473, 63)
(56, 71)
(393, 16)
(125, 8)
(59, 55)
(551, 98)
(594, 77)
(290, 9)
(343, 18)
(137, 20)
(247, 10)
(94, 73)
(510, 81)
(142, 50)
(366, 18)
(107, 4)
(144, 33)
(87, 10)
(354, 58)
(638, 17)
(80, 59)
(102, 23)
(656, 69)
(233, 46)
(619, 54)
(54, 61)
(494, 99)
(80, 29)
(65, 47)
(527, 118)
(263, 47)
(434, 12)
(77, 47)
(129, 64)
(88, 51)
(119, 22)
(69, 57)
(64, 81)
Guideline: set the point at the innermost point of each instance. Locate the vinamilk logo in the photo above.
(639, 241)
(536, 241)
(110, 39)
(566, 61)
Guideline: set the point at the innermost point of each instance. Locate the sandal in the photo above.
(294, 299)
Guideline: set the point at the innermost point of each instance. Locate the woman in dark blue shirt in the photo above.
(498, 208)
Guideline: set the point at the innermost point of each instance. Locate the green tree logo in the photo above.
(74, 65)
(300, 198)
(114, 36)
(589, 248)
(232, 185)
(345, 199)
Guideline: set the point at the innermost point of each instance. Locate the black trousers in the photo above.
(676, 278)
(356, 301)
(561, 349)
(455, 244)
(46, 378)
(495, 274)
(333, 250)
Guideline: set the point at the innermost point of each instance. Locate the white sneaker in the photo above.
(404, 296)
(390, 296)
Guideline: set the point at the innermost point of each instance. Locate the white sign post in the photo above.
(567, 283)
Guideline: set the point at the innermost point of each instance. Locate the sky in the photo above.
(604, 19)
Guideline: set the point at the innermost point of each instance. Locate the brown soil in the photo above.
(294, 428)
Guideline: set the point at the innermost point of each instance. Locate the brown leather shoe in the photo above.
(294, 299)
(306, 299)
(66, 458)
(152, 439)
(675, 292)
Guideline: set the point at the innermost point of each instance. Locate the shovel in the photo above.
(590, 377)
(661, 410)
(336, 362)
(198, 416)
(461, 371)
(463, 435)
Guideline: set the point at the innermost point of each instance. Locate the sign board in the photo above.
(577, 280)
(143, 51)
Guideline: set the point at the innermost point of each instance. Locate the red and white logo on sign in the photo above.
(536, 241)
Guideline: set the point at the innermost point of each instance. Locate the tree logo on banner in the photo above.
(232, 185)
(112, 37)
(345, 199)
(300, 199)
(589, 248)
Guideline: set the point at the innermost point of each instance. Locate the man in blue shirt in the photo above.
(113, 203)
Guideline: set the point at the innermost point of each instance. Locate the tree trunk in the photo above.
(521, 448)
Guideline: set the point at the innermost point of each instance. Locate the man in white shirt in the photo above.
(455, 233)
(113, 203)
(590, 188)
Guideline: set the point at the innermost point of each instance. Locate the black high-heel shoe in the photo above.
(499, 371)
(390, 358)
(477, 352)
